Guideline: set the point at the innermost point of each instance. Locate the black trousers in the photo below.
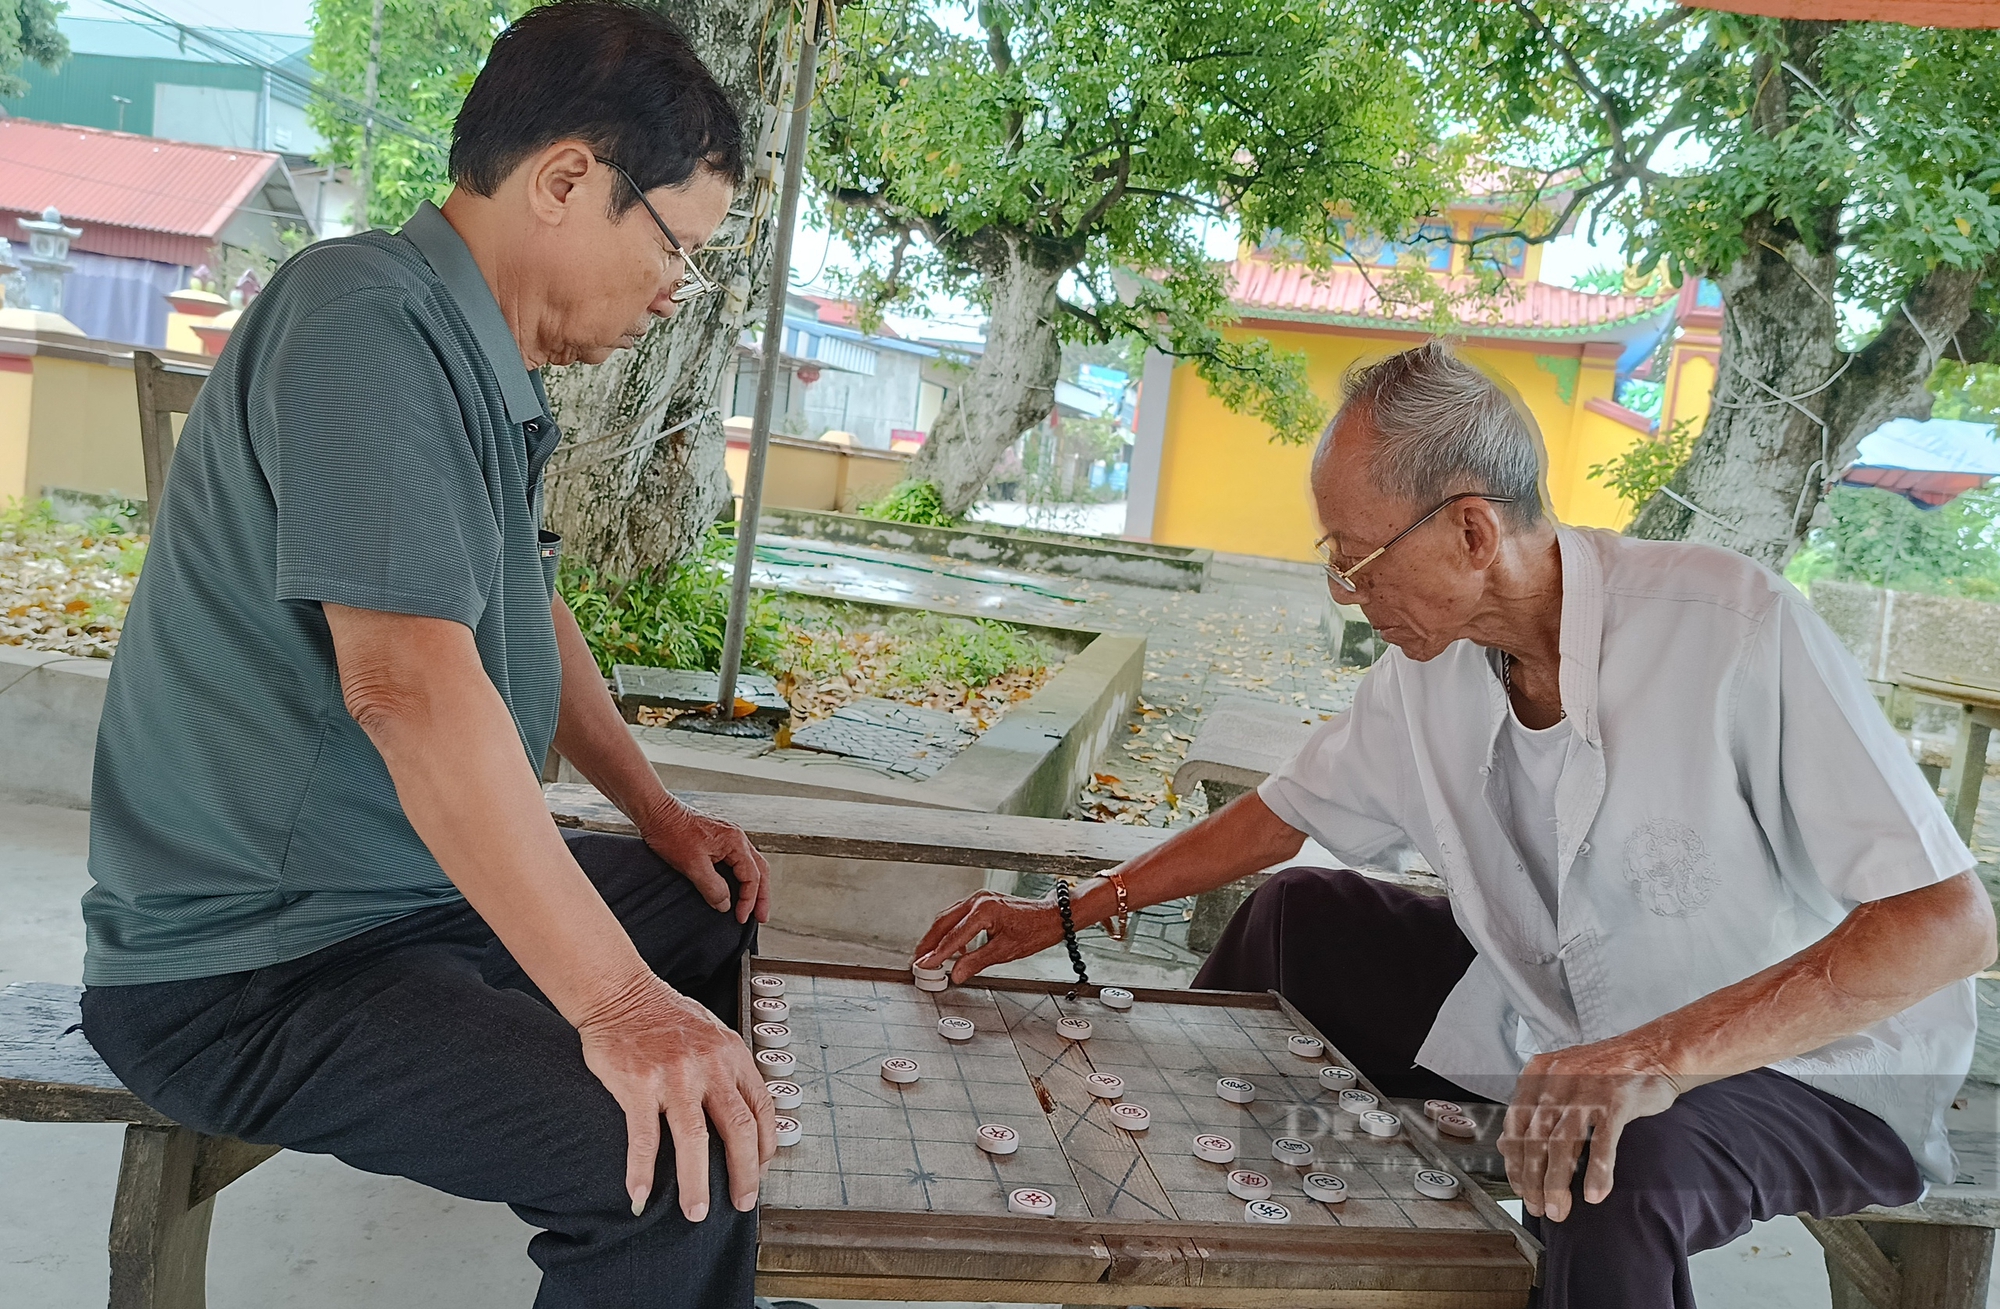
(420, 1049)
(1370, 965)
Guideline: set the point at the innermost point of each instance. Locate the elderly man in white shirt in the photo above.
(1709, 935)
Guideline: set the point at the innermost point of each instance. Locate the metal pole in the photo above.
(768, 364)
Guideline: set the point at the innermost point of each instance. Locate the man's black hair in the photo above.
(621, 77)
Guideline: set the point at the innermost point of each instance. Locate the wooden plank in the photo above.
(48, 1071)
(1032, 985)
(899, 833)
(1853, 1255)
(45, 1102)
(1948, 688)
(220, 1160)
(848, 1243)
(1110, 1293)
(876, 1152)
(163, 391)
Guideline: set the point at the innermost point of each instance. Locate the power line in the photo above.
(349, 107)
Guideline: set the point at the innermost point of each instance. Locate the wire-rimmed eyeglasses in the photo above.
(1344, 577)
(694, 282)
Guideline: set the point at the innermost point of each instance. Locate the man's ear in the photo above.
(554, 175)
(1479, 531)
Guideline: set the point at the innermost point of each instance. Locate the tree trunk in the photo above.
(1790, 406)
(639, 477)
(1756, 469)
(1011, 388)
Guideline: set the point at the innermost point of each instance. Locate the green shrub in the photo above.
(911, 502)
(1639, 473)
(669, 618)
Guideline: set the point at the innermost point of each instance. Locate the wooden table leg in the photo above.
(1968, 770)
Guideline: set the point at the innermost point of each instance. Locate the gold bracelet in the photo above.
(1116, 924)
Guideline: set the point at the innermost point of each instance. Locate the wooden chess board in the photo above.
(887, 1195)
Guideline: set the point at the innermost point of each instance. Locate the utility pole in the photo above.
(369, 86)
(768, 362)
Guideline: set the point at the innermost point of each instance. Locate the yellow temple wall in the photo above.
(1225, 485)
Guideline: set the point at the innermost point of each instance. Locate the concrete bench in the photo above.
(1934, 1254)
(170, 1174)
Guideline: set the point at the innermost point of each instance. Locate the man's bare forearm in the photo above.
(1884, 957)
(592, 735)
(418, 690)
(1243, 837)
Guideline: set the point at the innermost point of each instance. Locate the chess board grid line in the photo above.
(886, 1003)
(1482, 1204)
(1137, 1163)
(1014, 1040)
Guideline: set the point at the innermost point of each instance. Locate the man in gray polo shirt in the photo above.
(330, 911)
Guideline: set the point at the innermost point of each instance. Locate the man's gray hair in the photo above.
(1441, 427)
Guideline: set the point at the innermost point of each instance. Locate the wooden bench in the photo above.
(1936, 1254)
(164, 390)
(170, 1174)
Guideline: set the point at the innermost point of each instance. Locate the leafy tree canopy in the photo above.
(28, 31)
(1098, 135)
(1879, 538)
(1666, 120)
(431, 50)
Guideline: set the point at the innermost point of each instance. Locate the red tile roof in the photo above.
(1342, 297)
(137, 196)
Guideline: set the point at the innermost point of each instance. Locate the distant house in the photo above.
(151, 211)
(134, 76)
(879, 389)
(1202, 475)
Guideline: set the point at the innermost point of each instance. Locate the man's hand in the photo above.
(1014, 927)
(660, 1053)
(1583, 1095)
(693, 844)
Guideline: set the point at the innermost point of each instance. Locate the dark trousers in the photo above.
(421, 1049)
(1370, 965)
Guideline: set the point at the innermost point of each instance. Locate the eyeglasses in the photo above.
(1344, 577)
(693, 281)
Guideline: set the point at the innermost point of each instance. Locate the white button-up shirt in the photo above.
(1737, 792)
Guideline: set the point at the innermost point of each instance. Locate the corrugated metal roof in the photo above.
(116, 180)
(1343, 297)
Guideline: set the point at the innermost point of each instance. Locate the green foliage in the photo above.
(939, 648)
(1967, 392)
(671, 618)
(911, 502)
(28, 31)
(1879, 538)
(1097, 137)
(431, 51)
(1039, 470)
(1705, 133)
(1649, 464)
(925, 649)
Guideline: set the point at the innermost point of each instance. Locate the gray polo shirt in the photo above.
(372, 438)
